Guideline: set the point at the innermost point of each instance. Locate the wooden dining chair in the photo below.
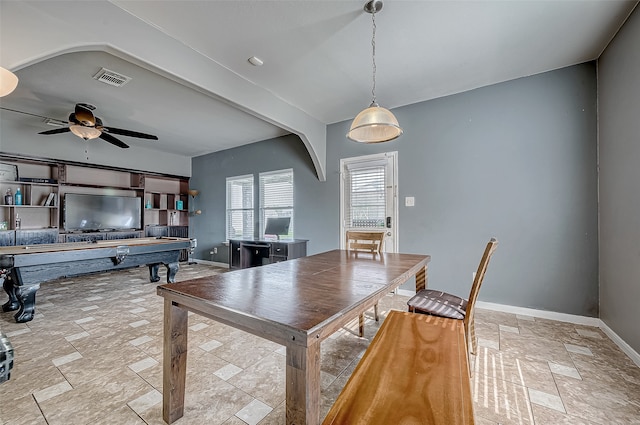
(442, 304)
(370, 241)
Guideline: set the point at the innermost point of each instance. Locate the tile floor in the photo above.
(93, 355)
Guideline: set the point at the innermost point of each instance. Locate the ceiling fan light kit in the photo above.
(375, 124)
(86, 133)
(8, 81)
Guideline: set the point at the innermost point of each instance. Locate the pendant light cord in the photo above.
(373, 57)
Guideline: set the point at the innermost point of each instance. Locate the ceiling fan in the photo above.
(87, 126)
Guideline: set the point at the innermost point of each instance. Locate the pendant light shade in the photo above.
(374, 124)
(8, 81)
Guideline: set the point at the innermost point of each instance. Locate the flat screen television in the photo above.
(277, 226)
(85, 212)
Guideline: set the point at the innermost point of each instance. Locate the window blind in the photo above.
(365, 205)
(276, 197)
(240, 207)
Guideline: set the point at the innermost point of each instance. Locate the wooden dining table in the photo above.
(296, 303)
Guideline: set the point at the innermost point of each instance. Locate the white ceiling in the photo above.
(193, 87)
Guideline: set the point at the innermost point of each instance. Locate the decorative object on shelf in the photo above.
(147, 205)
(18, 197)
(375, 124)
(4, 225)
(8, 172)
(192, 205)
(8, 198)
(8, 81)
(179, 204)
(18, 222)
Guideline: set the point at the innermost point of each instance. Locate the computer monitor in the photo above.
(277, 226)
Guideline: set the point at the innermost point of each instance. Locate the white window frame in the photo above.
(246, 233)
(268, 210)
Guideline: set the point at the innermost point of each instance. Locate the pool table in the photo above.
(23, 268)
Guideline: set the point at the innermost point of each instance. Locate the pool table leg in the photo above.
(13, 303)
(27, 297)
(172, 270)
(153, 272)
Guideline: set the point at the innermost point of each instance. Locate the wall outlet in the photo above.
(215, 250)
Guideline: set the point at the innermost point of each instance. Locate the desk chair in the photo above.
(442, 304)
(371, 241)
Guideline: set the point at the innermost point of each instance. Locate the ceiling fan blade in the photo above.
(56, 131)
(130, 133)
(109, 138)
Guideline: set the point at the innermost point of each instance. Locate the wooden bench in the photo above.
(415, 371)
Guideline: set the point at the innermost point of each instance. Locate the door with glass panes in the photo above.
(368, 196)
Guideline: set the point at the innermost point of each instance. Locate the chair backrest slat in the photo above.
(364, 241)
(477, 281)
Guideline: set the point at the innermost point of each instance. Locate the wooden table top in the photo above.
(296, 298)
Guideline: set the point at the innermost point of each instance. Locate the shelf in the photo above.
(61, 177)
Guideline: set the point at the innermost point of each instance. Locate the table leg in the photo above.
(153, 272)
(421, 279)
(303, 385)
(172, 270)
(174, 368)
(13, 303)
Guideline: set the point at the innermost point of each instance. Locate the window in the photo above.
(240, 207)
(366, 201)
(276, 198)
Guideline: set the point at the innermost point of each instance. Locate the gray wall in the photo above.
(515, 160)
(619, 156)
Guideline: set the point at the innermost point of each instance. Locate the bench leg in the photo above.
(361, 325)
(375, 312)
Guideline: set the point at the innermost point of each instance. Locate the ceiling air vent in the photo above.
(112, 78)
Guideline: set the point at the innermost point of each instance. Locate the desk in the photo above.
(245, 253)
(23, 268)
(296, 303)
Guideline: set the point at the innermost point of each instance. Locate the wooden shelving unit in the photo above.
(165, 201)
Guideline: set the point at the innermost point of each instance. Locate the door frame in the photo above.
(386, 156)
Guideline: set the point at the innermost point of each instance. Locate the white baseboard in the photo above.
(633, 354)
(543, 314)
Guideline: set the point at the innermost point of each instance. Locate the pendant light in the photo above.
(375, 124)
(8, 81)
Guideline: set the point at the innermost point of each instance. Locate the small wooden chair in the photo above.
(442, 304)
(371, 241)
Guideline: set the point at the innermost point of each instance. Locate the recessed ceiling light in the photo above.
(255, 61)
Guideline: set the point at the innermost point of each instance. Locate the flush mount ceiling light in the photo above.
(255, 61)
(8, 81)
(374, 124)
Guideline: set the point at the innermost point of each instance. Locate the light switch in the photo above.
(409, 201)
